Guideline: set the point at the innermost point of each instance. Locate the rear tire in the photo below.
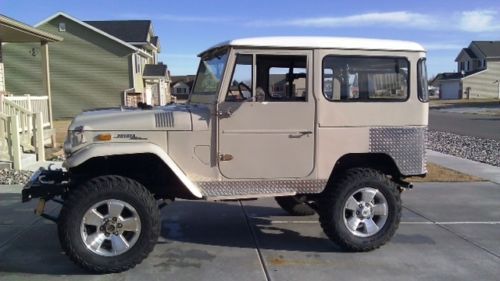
(295, 205)
(109, 224)
(361, 211)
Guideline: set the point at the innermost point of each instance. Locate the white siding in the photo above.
(483, 84)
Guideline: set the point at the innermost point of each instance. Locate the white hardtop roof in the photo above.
(309, 42)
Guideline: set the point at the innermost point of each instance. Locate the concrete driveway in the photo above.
(448, 232)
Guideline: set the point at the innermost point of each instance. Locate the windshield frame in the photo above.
(207, 57)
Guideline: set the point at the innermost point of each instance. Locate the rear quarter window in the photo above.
(423, 88)
(356, 78)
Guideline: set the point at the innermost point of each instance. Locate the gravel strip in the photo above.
(10, 177)
(472, 148)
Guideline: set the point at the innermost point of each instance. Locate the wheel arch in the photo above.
(146, 163)
(378, 161)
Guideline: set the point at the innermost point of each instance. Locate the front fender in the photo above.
(109, 149)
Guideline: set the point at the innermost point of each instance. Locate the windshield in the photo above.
(210, 74)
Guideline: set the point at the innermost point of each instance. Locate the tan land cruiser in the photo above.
(326, 125)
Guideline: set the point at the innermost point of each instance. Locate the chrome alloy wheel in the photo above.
(110, 227)
(365, 212)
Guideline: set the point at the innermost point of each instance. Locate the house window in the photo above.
(462, 66)
(62, 27)
(468, 66)
(180, 90)
(138, 63)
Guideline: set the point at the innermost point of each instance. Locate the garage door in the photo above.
(450, 90)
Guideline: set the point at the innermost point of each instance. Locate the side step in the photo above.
(249, 196)
(228, 190)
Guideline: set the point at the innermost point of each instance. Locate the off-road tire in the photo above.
(103, 188)
(295, 205)
(331, 209)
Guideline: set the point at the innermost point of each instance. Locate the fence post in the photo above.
(4, 145)
(2, 96)
(28, 102)
(39, 143)
(15, 144)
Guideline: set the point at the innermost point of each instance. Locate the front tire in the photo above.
(109, 224)
(361, 211)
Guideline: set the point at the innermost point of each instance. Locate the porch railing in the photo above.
(22, 124)
(33, 104)
(11, 139)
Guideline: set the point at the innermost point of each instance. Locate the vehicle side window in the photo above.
(423, 89)
(281, 78)
(241, 87)
(347, 78)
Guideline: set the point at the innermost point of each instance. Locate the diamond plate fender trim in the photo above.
(260, 187)
(406, 145)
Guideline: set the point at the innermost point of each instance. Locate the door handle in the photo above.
(224, 114)
(300, 134)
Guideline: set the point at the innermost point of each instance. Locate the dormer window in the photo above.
(62, 27)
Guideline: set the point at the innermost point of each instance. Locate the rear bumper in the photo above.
(46, 184)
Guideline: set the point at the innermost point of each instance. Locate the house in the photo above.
(478, 73)
(181, 86)
(25, 122)
(98, 64)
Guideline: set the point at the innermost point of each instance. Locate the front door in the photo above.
(266, 121)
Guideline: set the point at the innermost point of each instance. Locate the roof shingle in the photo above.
(126, 30)
(488, 48)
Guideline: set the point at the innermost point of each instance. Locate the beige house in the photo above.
(478, 73)
(181, 86)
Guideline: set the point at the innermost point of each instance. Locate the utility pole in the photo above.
(498, 84)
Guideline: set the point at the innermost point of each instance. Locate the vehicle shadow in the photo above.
(226, 224)
(36, 249)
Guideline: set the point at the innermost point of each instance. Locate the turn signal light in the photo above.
(104, 137)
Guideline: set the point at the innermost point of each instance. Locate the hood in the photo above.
(171, 117)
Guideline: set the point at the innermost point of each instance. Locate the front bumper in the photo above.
(46, 184)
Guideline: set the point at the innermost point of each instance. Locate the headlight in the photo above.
(75, 138)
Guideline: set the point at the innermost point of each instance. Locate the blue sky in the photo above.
(187, 27)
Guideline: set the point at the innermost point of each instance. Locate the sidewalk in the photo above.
(466, 166)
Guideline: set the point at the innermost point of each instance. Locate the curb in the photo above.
(488, 172)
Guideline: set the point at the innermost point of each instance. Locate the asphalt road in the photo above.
(448, 232)
(483, 126)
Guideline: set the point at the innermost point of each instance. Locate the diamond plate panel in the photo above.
(235, 188)
(406, 145)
